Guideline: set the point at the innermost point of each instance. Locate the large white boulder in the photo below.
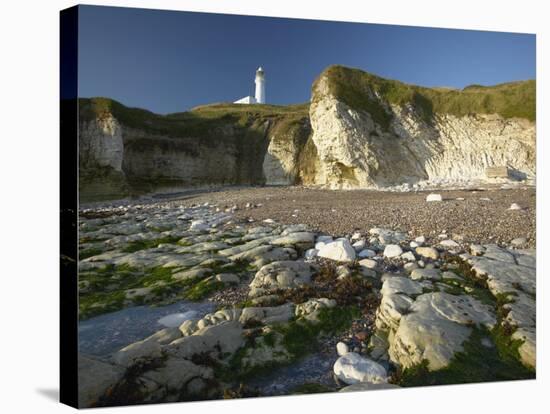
(434, 197)
(339, 250)
(352, 368)
(342, 349)
(392, 250)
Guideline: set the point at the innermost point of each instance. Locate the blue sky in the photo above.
(169, 61)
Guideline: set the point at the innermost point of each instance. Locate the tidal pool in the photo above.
(105, 334)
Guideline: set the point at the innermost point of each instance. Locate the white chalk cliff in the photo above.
(355, 151)
(359, 131)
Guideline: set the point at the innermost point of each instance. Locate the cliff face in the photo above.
(126, 150)
(360, 131)
(370, 132)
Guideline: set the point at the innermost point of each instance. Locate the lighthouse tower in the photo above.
(260, 86)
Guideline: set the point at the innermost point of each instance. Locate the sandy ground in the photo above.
(482, 217)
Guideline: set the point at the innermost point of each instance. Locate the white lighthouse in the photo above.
(260, 86)
(260, 90)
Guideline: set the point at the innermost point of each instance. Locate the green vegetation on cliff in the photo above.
(364, 91)
(232, 137)
(201, 122)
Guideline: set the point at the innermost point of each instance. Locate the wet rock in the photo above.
(166, 335)
(96, 379)
(216, 340)
(138, 352)
(175, 374)
(174, 320)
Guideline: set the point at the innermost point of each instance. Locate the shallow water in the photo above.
(105, 334)
(315, 368)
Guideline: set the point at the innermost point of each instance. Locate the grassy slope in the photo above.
(201, 122)
(241, 128)
(357, 89)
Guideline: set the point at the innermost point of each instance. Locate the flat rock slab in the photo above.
(95, 379)
(281, 275)
(435, 329)
(400, 284)
(503, 273)
(310, 310)
(217, 341)
(176, 373)
(426, 274)
(302, 239)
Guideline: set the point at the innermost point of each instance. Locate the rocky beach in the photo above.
(243, 292)
(380, 235)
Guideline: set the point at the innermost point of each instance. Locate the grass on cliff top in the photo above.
(360, 90)
(202, 121)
